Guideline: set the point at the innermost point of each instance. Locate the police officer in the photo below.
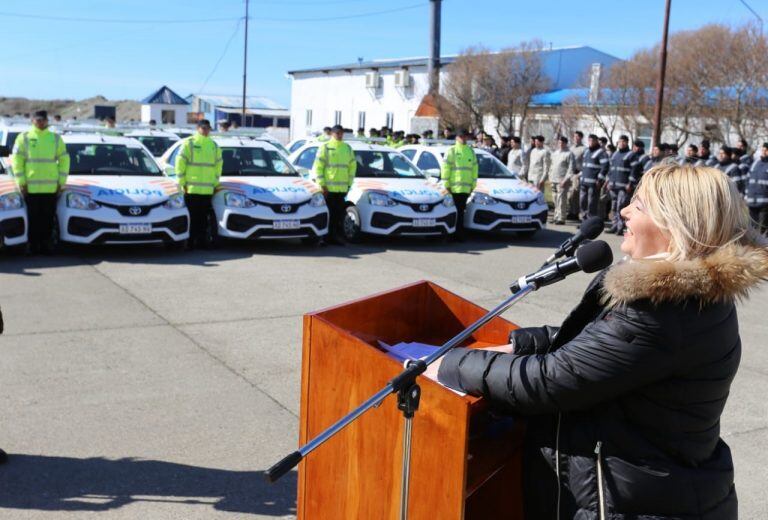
(577, 148)
(657, 155)
(593, 174)
(691, 155)
(325, 136)
(639, 162)
(726, 165)
(516, 157)
(560, 176)
(619, 183)
(198, 170)
(459, 175)
(705, 156)
(745, 158)
(40, 165)
(334, 170)
(539, 163)
(757, 190)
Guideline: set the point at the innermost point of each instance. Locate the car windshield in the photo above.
(252, 161)
(11, 140)
(384, 164)
(155, 144)
(110, 159)
(488, 166)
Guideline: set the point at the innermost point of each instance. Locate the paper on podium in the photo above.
(406, 351)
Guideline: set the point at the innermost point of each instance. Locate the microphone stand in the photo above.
(408, 395)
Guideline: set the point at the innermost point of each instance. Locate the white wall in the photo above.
(325, 93)
(155, 112)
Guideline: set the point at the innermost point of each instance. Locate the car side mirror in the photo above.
(5, 151)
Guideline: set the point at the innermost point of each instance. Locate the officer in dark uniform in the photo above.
(757, 190)
(745, 158)
(691, 156)
(639, 162)
(593, 173)
(705, 156)
(726, 165)
(619, 185)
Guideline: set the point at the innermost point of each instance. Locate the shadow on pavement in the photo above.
(99, 484)
(233, 250)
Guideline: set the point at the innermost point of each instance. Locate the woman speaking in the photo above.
(624, 399)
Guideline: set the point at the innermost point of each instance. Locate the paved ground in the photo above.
(139, 383)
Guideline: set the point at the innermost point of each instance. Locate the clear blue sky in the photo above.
(43, 58)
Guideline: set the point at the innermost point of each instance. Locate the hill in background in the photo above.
(69, 108)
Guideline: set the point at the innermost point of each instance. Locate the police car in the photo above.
(13, 213)
(116, 193)
(389, 195)
(8, 133)
(156, 141)
(501, 202)
(261, 194)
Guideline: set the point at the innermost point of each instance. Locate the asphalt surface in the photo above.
(142, 383)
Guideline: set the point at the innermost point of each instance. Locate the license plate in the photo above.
(135, 229)
(521, 219)
(424, 222)
(286, 224)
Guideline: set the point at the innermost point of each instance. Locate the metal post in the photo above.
(408, 403)
(245, 62)
(433, 64)
(662, 75)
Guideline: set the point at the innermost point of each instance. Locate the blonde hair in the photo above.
(699, 208)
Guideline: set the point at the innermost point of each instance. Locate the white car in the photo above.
(501, 202)
(261, 194)
(13, 213)
(389, 196)
(156, 141)
(8, 134)
(116, 193)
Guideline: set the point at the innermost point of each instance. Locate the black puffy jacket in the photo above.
(624, 400)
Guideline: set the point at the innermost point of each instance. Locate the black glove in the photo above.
(532, 340)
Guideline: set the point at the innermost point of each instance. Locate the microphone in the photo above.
(590, 229)
(590, 258)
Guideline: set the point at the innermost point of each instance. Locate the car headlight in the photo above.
(237, 200)
(80, 201)
(380, 199)
(11, 201)
(540, 198)
(448, 201)
(482, 199)
(317, 200)
(175, 202)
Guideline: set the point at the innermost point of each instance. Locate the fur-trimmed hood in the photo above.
(726, 275)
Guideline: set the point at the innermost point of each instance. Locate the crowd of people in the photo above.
(597, 177)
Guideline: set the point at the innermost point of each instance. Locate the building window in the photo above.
(390, 119)
(309, 118)
(337, 117)
(361, 119)
(168, 117)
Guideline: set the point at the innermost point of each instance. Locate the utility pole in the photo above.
(245, 62)
(662, 76)
(433, 64)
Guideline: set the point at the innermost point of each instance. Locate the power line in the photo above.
(224, 53)
(745, 4)
(208, 20)
(112, 20)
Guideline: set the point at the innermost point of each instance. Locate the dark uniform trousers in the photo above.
(760, 216)
(337, 209)
(460, 201)
(619, 200)
(589, 198)
(199, 207)
(41, 212)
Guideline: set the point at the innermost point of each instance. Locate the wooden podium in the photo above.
(465, 464)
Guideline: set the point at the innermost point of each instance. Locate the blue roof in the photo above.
(557, 97)
(164, 96)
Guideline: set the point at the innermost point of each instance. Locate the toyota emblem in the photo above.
(285, 208)
(424, 207)
(135, 211)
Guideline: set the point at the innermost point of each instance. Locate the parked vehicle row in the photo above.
(119, 191)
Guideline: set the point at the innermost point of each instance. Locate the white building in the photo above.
(165, 107)
(388, 92)
(260, 112)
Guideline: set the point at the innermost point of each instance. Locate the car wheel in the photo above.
(352, 226)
